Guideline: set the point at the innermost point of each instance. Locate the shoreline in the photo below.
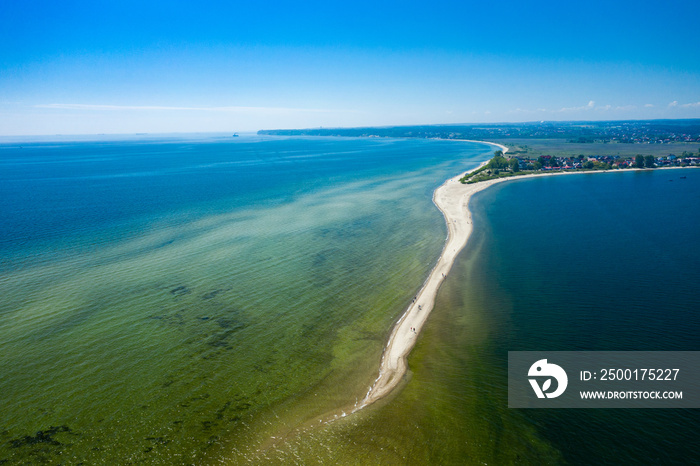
(452, 199)
(402, 338)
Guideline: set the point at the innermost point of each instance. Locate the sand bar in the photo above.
(452, 198)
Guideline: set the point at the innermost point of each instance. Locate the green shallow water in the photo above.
(451, 408)
(197, 335)
(582, 262)
(175, 312)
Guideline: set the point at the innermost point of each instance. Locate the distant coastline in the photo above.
(622, 132)
(452, 199)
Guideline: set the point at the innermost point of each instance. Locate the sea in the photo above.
(204, 299)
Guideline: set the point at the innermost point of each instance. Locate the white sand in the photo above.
(452, 198)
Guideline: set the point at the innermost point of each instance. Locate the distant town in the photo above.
(554, 146)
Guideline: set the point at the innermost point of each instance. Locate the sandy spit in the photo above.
(452, 198)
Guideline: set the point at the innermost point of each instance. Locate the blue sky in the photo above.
(83, 67)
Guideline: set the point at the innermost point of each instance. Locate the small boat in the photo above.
(683, 177)
(235, 135)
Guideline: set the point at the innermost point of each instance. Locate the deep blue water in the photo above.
(596, 262)
(135, 269)
(71, 192)
(603, 261)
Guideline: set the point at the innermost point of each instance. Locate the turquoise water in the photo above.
(580, 262)
(182, 300)
(205, 300)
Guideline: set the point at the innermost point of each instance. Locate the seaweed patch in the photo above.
(159, 440)
(180, 290)
(43, 436)
(213, 293)
(176, 318)
(186, 404)
(220, 412)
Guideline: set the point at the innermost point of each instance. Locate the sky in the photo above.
(92, 67)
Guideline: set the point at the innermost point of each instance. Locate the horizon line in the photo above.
(499, 123)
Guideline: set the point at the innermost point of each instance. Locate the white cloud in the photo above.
(267, 110)
(589, 106)
(649, 105)
(675, 104)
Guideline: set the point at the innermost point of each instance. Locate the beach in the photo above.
(452, 198)
(531, 276)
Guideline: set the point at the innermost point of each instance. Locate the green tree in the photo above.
(498, 162)
(537, 165)
(649, 161)
(639, 161)
(541, 161)
(514, 165)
